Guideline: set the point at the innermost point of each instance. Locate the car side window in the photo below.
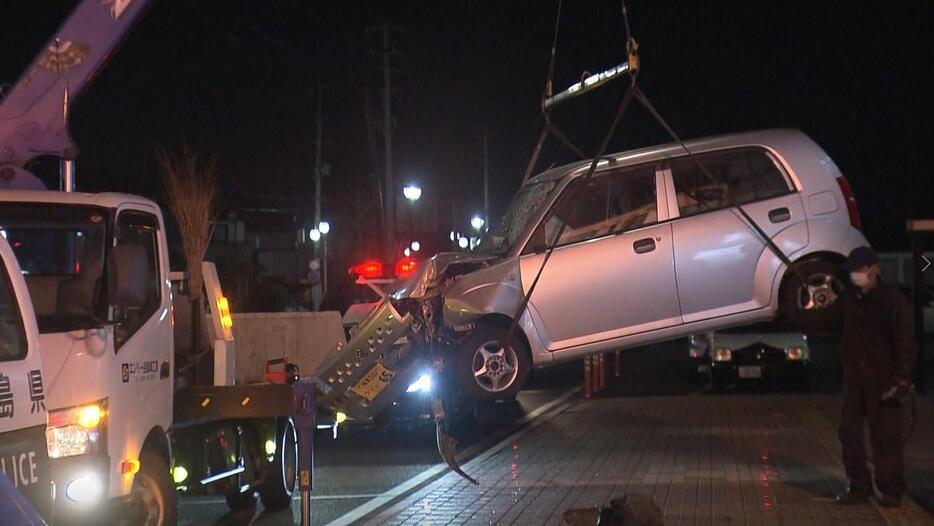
(604, 205)
(13, 344)
(133, 274)
(724, 179)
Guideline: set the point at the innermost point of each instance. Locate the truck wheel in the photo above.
(279, 486)
(154, 488)
(805, 303)
(488, 370)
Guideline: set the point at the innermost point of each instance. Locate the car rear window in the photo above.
(723, 179)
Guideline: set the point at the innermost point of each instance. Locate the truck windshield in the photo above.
(60, 249)
(499, 239)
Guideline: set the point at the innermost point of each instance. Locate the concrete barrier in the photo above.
(308, 338)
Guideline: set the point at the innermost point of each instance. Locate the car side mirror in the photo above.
(126, 287)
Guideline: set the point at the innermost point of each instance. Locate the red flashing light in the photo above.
(851, 205)
(405, 266)
(370, 269)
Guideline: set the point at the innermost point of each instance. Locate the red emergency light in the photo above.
(405, 266)
(370, 269)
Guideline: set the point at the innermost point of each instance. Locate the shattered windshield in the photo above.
(60, 250)
(499, 239)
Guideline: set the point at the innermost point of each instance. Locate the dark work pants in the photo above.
(861, 404)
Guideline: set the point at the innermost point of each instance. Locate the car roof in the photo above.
(783, 139)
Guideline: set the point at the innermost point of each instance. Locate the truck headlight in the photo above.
(85, 489)
(76, 430)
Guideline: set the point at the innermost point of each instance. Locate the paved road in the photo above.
(363, 463)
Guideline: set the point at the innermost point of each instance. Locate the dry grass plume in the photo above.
(191, 194)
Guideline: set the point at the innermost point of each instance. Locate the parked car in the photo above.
(765, 354)
(656, 247)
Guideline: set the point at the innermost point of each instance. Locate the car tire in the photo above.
(488, 371)
(282, 472)
(793, 304)
(154, 487)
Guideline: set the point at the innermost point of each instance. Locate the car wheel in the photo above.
(282, 471)
(488, 370)
(154, 490)
(806, 302)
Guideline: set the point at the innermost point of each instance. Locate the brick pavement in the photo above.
(704, 459)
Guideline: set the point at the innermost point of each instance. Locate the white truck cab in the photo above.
(23, 457)
(97, 271)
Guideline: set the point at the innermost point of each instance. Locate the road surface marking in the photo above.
(215, 501)
(475, 452)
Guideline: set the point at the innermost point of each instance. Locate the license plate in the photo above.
(750, 371)
(373, 382)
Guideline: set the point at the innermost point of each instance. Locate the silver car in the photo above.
(658, 245)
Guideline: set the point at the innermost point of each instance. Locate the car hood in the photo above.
(425, 280)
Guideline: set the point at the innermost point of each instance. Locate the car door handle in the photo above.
(642, 246)
(779, 215)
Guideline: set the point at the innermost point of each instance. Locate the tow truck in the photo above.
(122, 439)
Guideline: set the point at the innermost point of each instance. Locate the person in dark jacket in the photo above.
(878, 353)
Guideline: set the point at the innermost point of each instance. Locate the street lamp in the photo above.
(416, 246)
(463, 242)
(324, 227)
(477, 223)
(314, 235)
(412, 192)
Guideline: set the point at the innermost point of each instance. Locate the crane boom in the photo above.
(34, 114)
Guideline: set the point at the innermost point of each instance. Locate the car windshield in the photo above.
(499, 239)
(60, 250)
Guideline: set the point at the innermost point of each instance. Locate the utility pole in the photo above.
(389, 190)
(486, 184)
(389, 187)
(319, 289)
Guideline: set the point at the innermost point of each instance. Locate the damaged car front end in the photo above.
(448, 317)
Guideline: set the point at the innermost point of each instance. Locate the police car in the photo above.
(24, 459)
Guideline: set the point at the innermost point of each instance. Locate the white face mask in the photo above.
(860, 279)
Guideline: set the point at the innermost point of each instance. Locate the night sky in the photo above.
(239, 78)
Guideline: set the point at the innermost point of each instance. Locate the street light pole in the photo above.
(486, 183)
(318, 173)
